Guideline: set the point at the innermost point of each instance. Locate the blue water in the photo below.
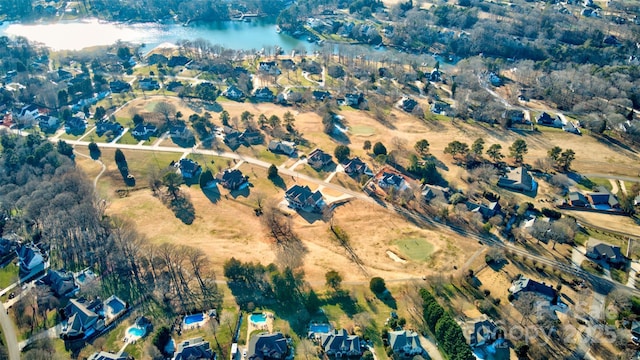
(258, 318)
(136, 331)
(192, 319)
(320, 328)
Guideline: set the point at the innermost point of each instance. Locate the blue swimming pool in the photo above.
(320, 328)
(192, 319)
(136, 331)
(258, 319)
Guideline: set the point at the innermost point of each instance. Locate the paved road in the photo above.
(9, 331)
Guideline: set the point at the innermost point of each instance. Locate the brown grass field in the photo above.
(226, 226)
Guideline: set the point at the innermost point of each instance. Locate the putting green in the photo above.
(362, 130)
(416, 249)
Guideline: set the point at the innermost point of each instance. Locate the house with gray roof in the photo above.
(301, 197)
(232, 179)
(518, 179)
(577, 199)
(405, 343)
(267, 346)
(608, 253)
(195, 348)
(340, 344)
(31, 260)
(523, 285)
(603, 199)
(61, 282)
(357, 167)
(283, 147)
(82, 320)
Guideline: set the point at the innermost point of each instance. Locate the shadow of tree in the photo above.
(278, 181)
(343, 299)
(213, 194)
(387, 299)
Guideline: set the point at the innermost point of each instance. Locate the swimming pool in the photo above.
(258, 319)
(320, 328)
(136, 331)
(192, 319)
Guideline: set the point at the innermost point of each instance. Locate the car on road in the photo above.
(12, 295)
(244, 353)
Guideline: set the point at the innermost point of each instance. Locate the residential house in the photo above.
(195, 348)
(546, 120)
(144, 131)
(178, 60)
(61, 282)
(29, 112)
(48, 123)
(524, 285)
(179, 130)
(518, 179)
(486, 210)
(352, 99)
(154, 59)
(318, 159)
(571, 127)
(357, 167)
(441, 108)
(108, 126)
(103, 355)
(252, 137)
(320, 95)
(435, 75)
(231, 137)
(408, 104)
(269, 67)
(64, 75)
(232, 179)
(283, 147)
(7, 250)
(263, 94)
(603, 199)
(118, 86)
(495, 79)
(149, 84)
(393, 180)
(340, 344)
(31, 260)
(405, 343)
(174, 85)
(82, 321)
(288, 64)
(514, 116)
(635, 329)
(577, 199)
(233, 93)
(188, 168)
(266, 346)
(301, 197)
(609, 253)
(480, 332)
(75, 125)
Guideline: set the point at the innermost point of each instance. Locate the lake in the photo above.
(80, 34)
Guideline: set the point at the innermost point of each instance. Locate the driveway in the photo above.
(10, 337)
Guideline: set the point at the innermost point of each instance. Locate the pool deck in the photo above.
(267, 327)
(195, 325)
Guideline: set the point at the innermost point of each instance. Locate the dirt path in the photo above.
(615, 189)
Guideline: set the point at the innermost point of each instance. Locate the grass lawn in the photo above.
(590, 266)
(127, 138)
(346, 181)
(8, 275)
(417, 249)
(602, 182)
(308, 170)
(620, 276)
(362, 130)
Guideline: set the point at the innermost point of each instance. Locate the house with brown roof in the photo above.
(318, 159)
